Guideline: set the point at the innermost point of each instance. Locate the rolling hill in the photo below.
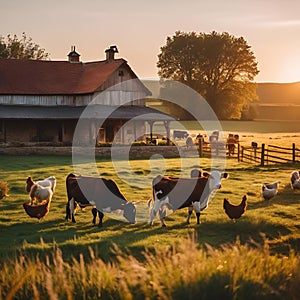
(288, 93)
(277, 101)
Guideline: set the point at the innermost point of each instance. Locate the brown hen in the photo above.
(38, 211)
(235, 211)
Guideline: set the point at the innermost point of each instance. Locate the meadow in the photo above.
(256, 257)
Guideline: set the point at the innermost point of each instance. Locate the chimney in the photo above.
(110, 52)
(73, 55)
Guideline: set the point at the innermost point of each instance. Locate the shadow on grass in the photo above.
(73, 239)
(26, 162)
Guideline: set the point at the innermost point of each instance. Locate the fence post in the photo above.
(294, 153)
(262, 160)
(200, 145)
(242, 153)
(238, 154)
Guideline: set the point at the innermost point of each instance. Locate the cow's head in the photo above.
(215, 179)
(129, 212)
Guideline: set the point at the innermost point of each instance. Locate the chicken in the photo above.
(296, 185)
(38, 211)
(295, 180)
(269, 192)
(235, 211)
(273, 185)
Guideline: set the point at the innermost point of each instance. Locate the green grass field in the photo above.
(278, 219)
(267, 236)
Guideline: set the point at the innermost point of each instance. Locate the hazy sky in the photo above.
(139, 28)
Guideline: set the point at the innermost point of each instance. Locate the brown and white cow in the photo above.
(176, 193)
(102, 193)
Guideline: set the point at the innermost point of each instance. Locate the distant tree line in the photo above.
(12, 46)
(219, 66)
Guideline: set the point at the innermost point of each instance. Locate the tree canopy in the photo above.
(219, 66)
(21, 48)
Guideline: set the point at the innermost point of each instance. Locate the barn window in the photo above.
(121, 73)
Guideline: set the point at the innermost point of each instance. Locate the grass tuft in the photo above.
(233, 271)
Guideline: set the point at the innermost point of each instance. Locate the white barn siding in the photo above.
(120, 98)
(46, 100)
(105, 98)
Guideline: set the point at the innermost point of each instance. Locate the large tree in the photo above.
(219, 66)
(21, 48)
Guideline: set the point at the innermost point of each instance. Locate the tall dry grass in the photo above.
(184, 271)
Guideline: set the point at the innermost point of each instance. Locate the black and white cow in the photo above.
(176, 193)
(101, 193)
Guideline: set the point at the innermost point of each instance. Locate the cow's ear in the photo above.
(224, 175)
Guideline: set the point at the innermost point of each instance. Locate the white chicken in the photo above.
(273, 185)
(295, 180)
(269, 190)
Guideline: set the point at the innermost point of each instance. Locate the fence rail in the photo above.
(269, 154)
(209, 148)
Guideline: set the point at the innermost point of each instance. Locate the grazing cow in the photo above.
(180, 134)
(295, 180)
(177, 193)
(100, 192)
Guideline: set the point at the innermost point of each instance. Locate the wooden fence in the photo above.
(207, 149)
(268, 154)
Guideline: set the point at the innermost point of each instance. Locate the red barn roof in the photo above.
(40, 77)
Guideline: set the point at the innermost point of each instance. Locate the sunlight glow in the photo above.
(291, 69)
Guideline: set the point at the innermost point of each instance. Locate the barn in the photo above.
(41, 101)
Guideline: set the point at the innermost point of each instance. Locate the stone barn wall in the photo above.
(136, 152)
